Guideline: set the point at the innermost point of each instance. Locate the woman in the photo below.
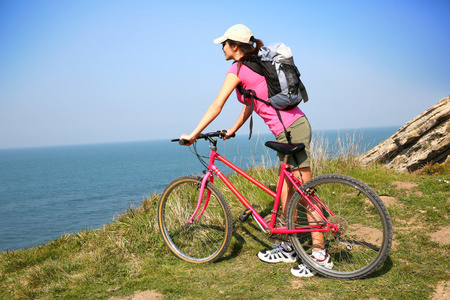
(239, 45)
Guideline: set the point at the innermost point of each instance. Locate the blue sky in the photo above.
(75, 72)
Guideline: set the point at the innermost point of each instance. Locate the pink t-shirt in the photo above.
(254, 81)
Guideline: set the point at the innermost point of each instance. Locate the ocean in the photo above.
(47, 192)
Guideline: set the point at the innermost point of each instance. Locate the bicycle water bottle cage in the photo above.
(286, 149)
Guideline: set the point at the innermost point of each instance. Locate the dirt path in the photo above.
(145, 295)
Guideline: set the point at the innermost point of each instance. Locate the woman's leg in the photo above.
(304, 174)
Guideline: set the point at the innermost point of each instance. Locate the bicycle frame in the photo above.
(267, 227)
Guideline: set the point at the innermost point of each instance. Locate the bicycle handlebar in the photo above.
(205, 136)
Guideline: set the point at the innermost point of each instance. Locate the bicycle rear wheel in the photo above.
(207, 238)
(363, 240)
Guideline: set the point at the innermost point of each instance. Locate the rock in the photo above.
(425, 139)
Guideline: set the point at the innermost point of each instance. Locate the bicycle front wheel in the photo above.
(364, 236)
(207, 237)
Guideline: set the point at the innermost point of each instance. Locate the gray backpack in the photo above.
(285, 89)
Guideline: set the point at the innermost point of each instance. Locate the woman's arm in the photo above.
(230, 83)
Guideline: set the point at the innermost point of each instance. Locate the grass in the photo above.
(128, 255)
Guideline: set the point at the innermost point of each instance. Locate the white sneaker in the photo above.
(303, 271)
(280, 253)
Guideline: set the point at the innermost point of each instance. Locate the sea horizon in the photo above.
(314, 131)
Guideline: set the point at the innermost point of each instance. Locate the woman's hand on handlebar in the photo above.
(188, 138)
(229, 133)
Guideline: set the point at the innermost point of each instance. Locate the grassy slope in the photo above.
(128, 255)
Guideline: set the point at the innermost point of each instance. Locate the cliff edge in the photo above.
(423, 140)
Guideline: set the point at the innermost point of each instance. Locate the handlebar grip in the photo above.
(180, 141)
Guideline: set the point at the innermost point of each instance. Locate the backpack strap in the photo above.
(288, 136)
(287, 133)
(303, 92)
(254, 64)
(251, 95)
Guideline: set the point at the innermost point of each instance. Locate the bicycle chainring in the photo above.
(279, 222)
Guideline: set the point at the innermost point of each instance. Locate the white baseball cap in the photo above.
(238, 33)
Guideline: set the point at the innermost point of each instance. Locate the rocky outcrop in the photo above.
(425, 139)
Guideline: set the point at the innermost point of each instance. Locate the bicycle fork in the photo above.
(207, 176)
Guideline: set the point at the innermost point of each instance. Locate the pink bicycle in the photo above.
(196, 223)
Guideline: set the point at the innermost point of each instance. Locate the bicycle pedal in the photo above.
(244, 216)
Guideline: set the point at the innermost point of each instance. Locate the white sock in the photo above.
(320, 255)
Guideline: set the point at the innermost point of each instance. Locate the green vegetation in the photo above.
(129, 255)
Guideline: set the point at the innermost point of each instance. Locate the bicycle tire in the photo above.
(364, 238)
(207, 238)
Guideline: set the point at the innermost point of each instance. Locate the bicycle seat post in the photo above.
(285, 161)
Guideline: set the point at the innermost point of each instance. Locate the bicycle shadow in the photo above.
(241, 229)
(248, 228)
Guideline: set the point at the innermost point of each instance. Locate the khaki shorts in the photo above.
(300, 133)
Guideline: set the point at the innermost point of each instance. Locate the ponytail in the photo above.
(248, 49)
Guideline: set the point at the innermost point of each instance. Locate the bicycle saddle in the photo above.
(286, 149)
